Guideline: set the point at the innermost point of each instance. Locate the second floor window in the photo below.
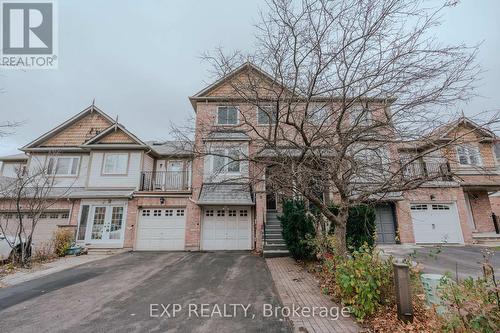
(360, 115)
(266, 115)
(63, 166)
(469, 155)
(318, 113)
(115, 164)
(227, 115)
(226, 161)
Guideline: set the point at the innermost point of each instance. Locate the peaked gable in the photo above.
(115, 134)
(467, 127)
(75, 131)
(247, 75)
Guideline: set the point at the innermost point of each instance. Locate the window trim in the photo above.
(225, 155)
(225, 106)
(54, 167)
(467, 147)
(259, 108)
(103, 163)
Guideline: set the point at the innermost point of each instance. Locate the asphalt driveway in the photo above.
(466, 260)
(139, 291)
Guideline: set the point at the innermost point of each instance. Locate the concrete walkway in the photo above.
(298, 288)
(48, 268)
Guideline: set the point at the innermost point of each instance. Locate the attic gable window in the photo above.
(63, 166)
(469, 155)
(227, 115)
(266, 115)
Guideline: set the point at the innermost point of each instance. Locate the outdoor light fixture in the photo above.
(162, 200)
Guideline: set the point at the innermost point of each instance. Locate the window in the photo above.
(468, 155)
(360, 115)
(226, 160)
(146, 212)
(440, 207)
(233, 161)
(231, 212)
(64, 215)
(115, 164)
(243, 213)
(157, 212)
(418, 207)
(54, 216)
(220, 213)
(169, 212)
(318, 113)
(266, 114)
(82, 227)
(63, 166)
(180, 212)
(227, 115)
(209, 213)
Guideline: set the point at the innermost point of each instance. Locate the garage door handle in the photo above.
(433, 226)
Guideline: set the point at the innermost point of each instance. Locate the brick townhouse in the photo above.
(117, 191)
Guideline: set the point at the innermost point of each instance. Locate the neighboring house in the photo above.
(124, 192)
(98, 165)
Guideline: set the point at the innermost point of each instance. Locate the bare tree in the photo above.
(25, 200)
(347, 84)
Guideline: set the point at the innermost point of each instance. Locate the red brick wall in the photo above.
(481, 211)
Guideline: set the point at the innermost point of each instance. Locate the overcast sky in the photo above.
(140, 60)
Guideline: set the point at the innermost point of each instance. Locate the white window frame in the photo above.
(224, 154)
(272, 120)
(356, 111)
(468, 149)
(114, 173)
(228, 106)
(56, 160)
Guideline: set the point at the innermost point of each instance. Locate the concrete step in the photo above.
(101, 251)
(274, 238)
(274, 242)
(275, 253)
(487, 238)
(275, 247)
(273, 227)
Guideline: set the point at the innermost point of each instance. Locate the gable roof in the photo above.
(449, 128)
(205, 92)
(14, 158)
(115, 128)
(60, 128)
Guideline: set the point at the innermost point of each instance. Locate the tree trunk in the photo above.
(340, 230)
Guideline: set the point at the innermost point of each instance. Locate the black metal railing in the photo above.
(428, 170)
(165, 181)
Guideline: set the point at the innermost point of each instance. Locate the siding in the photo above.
(10, 169)
(131, 180)
(148, 163)
(38, 161)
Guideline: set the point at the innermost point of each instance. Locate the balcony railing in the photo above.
(165, 181)
(428, 170)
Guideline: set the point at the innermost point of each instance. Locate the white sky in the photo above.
(140, 60)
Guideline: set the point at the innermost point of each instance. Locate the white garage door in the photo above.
(226, 228)
(161, 229)
(44, 229)
(436, 223)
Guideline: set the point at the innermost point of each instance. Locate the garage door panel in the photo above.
(228, 229)
(436, 223)
(44, 229)
(161, 230)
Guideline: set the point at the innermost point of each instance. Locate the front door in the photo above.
(106, 224)
(175, 175)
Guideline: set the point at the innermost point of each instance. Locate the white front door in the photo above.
(161, 229)
(106, 225)
(226, 228)
(436, 223)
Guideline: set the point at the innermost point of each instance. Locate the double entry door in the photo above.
(106, 224)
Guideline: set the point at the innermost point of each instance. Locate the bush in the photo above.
(297, 229)
(360, 227)
(43, 252)
(364, 281)
(473, 306)
(63, 239)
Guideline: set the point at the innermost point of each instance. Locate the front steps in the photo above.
(487, 238)
(274, 245)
